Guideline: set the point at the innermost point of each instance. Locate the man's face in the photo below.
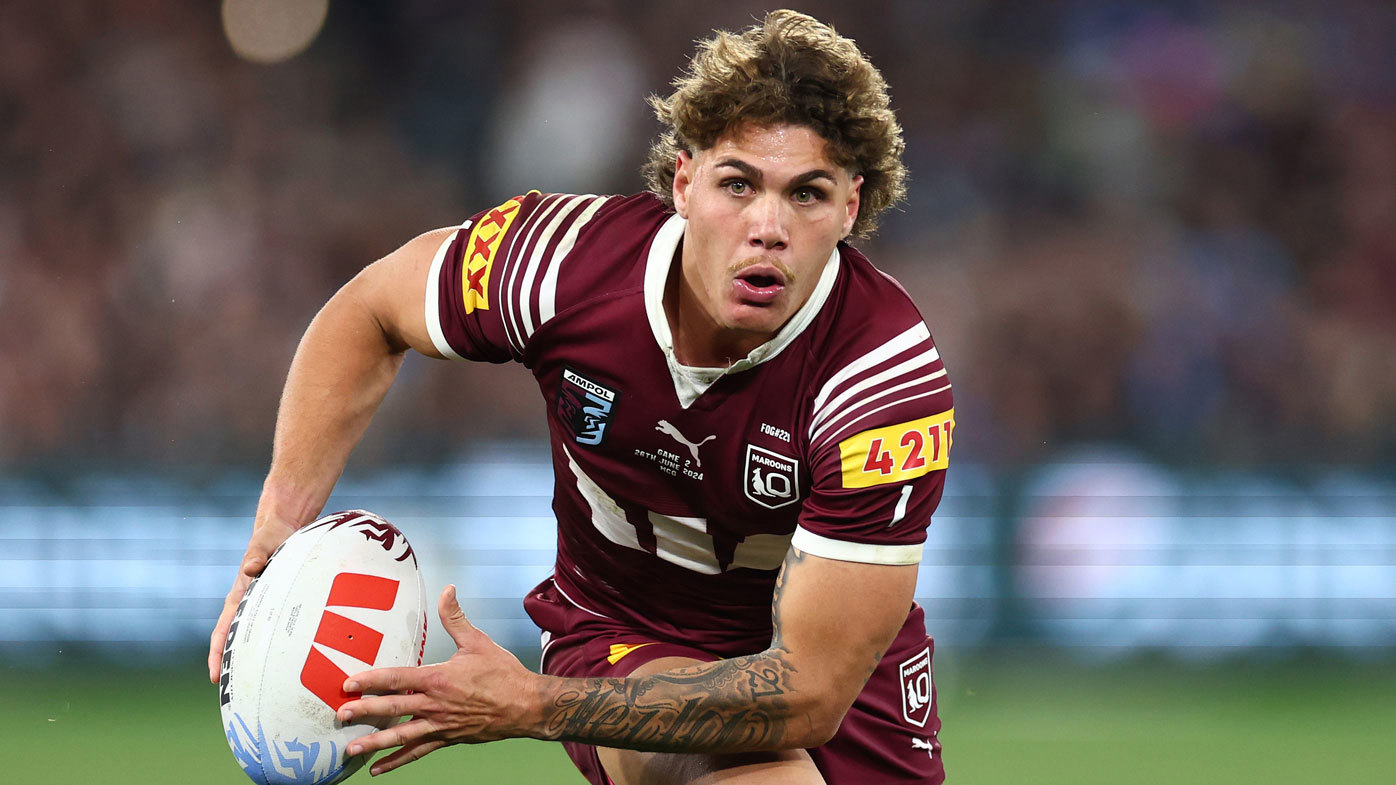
(765, 208)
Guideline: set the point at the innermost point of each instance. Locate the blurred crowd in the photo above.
(1170, 225)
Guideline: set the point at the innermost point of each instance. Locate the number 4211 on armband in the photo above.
(897, 453)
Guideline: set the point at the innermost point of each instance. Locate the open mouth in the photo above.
(759, 285)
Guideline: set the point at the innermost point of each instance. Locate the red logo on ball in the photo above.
(349, 590)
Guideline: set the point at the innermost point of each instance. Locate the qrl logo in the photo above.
(349, 590)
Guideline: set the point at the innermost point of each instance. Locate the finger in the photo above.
(405, 756)
(216, 641)
(387, 680)
(390, 706)
(219, 636)
(400, 735)
(453, 618)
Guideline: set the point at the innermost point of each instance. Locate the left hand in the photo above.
(481, 694)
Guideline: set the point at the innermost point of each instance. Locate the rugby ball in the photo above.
(341, 595)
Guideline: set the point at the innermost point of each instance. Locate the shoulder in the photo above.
(510, 269)
(616, 227)
(876, 361)
(555, 224)
(569, 246)
(604, 252)
(866, 294)
(573, 233)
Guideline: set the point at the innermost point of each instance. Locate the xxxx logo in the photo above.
(479, 252)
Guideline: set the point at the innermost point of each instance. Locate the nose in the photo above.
(768, 226)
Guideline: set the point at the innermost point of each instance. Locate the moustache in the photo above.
(738, 266)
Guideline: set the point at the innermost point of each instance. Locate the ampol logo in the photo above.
(585, 407)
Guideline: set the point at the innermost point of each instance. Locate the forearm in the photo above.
(742, 704)
(761, 701)
(342, 369)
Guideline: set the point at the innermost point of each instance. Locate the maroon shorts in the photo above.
(888, 737)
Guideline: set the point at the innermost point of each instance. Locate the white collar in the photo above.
(691, 382)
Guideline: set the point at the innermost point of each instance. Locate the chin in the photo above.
(757, 320)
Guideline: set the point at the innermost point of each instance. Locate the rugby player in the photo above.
(749, 424)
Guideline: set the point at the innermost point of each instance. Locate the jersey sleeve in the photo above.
(880, 434)
(493, 283)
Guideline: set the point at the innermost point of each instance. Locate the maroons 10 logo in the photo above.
(918, 688)
(770, 479)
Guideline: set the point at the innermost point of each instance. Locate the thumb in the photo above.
(265, 540)
(453, 618)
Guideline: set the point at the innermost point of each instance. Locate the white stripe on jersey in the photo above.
(530, 268)
(835, 406)
(547, 293)
(862, 403)
(916, 334)
(547, 640)
(535, 260)
(509, 310)
(897, 402)
(908, 340)
(433, 304)
(606, 514)
(866, 553)
(578, 605)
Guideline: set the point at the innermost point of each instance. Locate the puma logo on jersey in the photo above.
(665, 427)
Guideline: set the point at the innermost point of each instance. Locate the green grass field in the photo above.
(1007, 720)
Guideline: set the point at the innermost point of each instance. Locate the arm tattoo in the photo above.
(729, 706)
(792, 558)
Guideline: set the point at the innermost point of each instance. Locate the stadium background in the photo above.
(1156, 242)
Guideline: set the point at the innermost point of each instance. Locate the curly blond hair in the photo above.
(793, 69)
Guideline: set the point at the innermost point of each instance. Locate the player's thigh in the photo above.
(629, 767)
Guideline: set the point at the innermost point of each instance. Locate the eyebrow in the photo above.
(754, 174)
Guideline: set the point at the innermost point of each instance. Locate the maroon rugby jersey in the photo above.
(679, 490)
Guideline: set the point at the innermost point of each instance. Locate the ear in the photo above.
(855, 198)
(683, 180)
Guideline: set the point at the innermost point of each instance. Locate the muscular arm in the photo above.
(832, 622)
(343, 367)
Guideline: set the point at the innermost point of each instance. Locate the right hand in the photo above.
(267, 536)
